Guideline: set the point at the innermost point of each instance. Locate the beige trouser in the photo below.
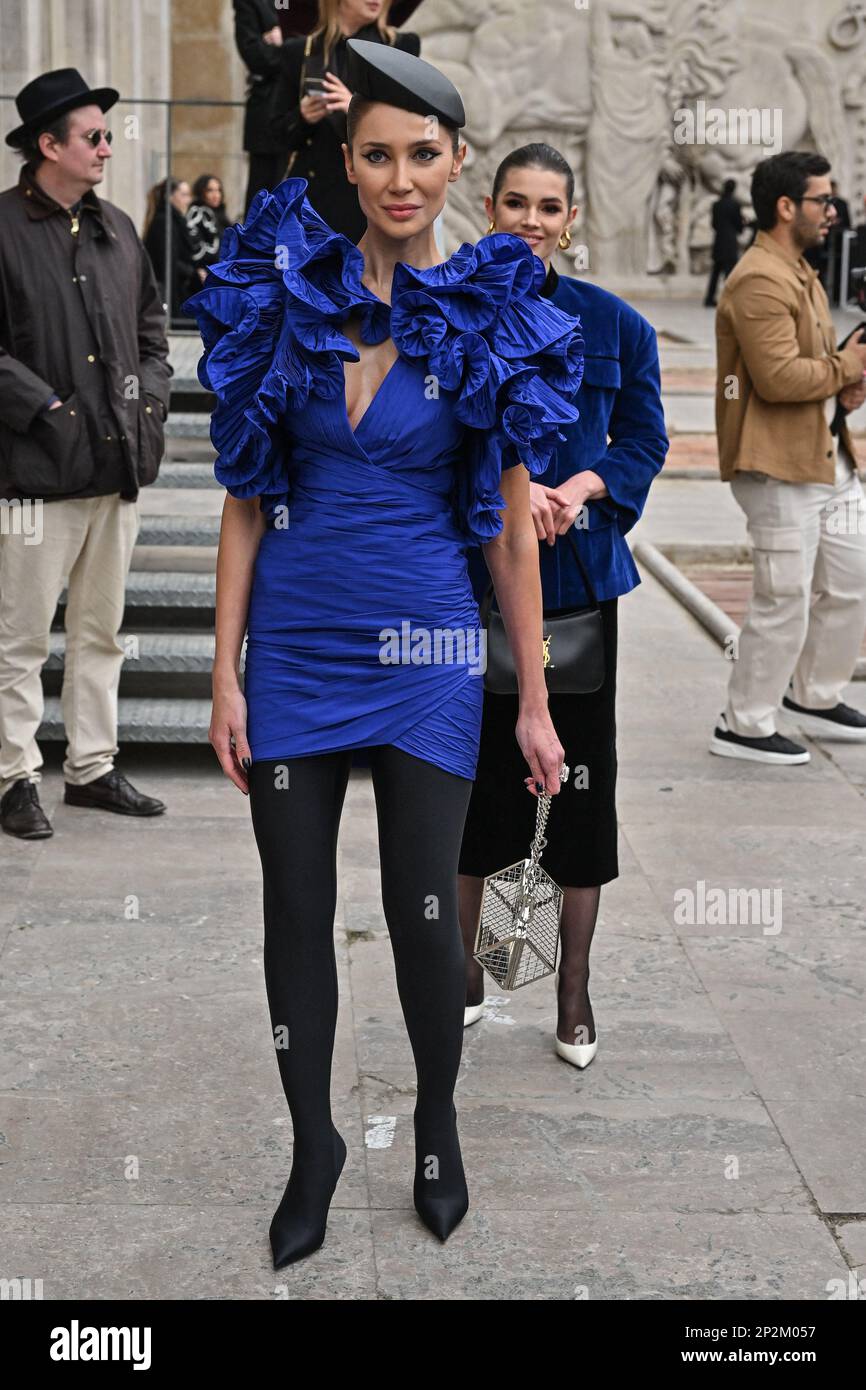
(86, 544)
(807, 614)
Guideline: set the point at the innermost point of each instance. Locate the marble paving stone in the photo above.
(180, 1252)
(852, 1235)
(19, 860)
(13, 887)
(628, 907)
(688, 801)
(801, 1055)
(684, 1056)
(825, 1138)
(362, 916)
(150, 846)
(575, 1255)
(662, 757)
(814, 973)
(359, 883)
(761, 854)
(640, 1062)
(87, 958)
(233, 906)
(849, 758)
(131, 1149)
(633, 977)
(607, 1155)
(146, 1041)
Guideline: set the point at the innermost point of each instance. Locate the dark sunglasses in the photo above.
(94, 137)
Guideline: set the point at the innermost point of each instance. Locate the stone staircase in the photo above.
(168, 621)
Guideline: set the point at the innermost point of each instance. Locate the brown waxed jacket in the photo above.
(776, 365)
(80, 318)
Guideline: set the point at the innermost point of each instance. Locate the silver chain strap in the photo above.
(529, 878)
(541, 815)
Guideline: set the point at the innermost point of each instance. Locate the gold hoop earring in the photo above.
(565, 240)
(491, 228)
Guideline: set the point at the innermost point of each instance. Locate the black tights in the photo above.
(296, 805)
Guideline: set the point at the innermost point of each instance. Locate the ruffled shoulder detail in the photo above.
(514, 359)
(270, 314)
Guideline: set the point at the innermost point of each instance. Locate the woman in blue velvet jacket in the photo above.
(596, 487)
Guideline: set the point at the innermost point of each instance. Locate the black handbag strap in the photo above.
(487, 600)
(587, 582)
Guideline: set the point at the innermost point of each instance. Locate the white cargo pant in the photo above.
(85, 544)
(807, 614)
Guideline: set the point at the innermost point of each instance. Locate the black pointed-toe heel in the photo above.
(441, 1214)
(442, 1207)
(301, 1220)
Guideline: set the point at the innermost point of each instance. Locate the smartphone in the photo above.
(852, 334)
(314, 87)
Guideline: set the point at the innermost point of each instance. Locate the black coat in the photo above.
(263, 62)
(319, 158)
(727, 226)
(80, 318)
(184, 280)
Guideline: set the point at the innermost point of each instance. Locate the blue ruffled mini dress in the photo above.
(361, 573)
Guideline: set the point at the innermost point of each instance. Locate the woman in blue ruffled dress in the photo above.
(379, 410)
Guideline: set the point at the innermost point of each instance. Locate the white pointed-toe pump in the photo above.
(578, 1054)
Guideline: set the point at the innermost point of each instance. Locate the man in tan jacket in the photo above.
(782, 391)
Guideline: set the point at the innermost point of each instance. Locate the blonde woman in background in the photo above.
(311, 100)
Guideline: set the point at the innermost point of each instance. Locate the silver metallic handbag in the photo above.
(521, 908)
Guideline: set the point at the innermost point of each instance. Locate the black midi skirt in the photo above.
(581, 849)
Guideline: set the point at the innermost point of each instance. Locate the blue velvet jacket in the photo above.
(619, 399)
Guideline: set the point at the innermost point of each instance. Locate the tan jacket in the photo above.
(776, 366)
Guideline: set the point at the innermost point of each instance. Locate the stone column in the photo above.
(113, 45)
(206, 66)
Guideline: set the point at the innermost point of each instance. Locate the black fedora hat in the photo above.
(54, 93)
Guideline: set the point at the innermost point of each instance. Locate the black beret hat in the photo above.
(380, 72)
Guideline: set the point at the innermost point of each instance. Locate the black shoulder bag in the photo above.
(573, 645)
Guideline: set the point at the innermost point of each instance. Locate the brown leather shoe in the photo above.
(21, 813)
(112, 792)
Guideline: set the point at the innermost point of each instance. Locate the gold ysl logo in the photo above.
(545, 642)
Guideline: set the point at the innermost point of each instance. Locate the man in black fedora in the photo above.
(84, 386)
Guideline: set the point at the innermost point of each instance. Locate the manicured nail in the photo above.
(539, 786)
(245, 762)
